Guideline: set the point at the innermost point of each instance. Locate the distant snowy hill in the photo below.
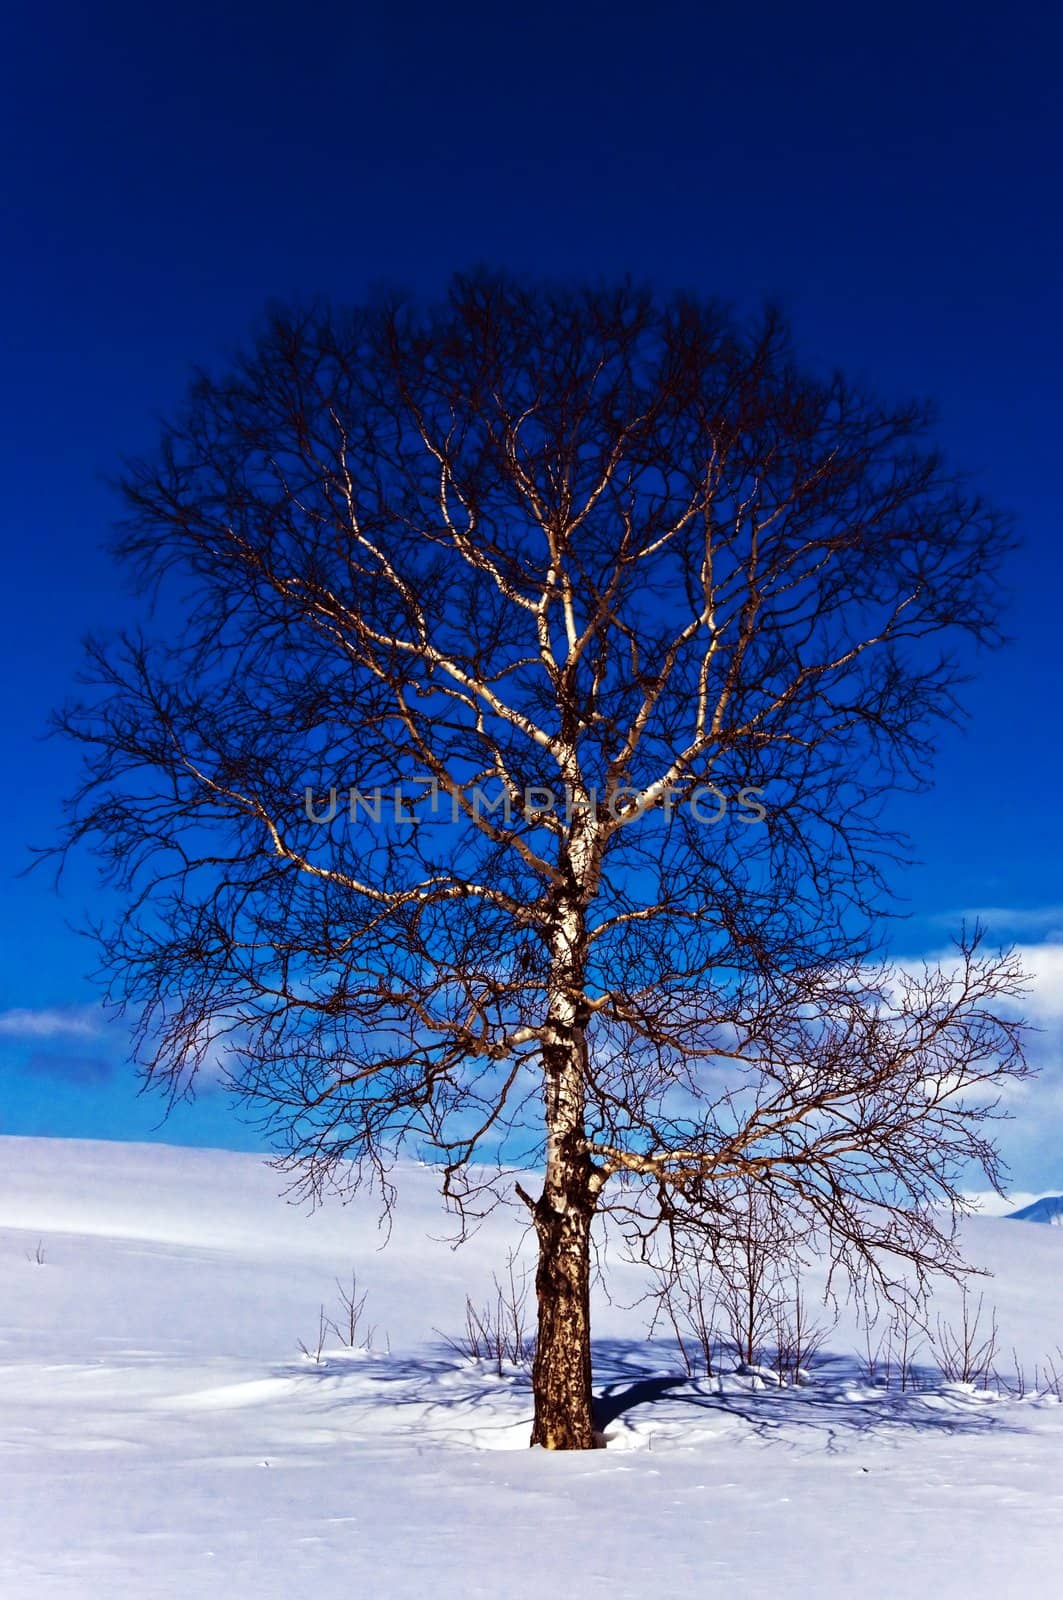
(1049, 1209)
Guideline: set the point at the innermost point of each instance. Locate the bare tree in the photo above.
(645, 623)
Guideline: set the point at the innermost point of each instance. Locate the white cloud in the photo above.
(1016, 920)
(1044, 965)
(69, 1022)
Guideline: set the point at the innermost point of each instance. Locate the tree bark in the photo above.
(561, 1375)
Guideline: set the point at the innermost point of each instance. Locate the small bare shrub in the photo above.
(347, 1325)
(798, 1339)
(965, 1351)
(1048, 1377)
(748, 1257)
(497, 1331)
(1015, 1385)
(689, 1300)
(875, 1360)
(906, 1337)
(313, 1351)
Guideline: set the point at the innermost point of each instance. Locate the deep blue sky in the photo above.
(890, 173)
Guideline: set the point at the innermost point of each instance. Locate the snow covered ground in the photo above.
(162, 1435)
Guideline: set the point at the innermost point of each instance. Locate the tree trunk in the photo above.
(561, 1375)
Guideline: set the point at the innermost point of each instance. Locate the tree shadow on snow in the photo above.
(633, 1382)
(835, 1401)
